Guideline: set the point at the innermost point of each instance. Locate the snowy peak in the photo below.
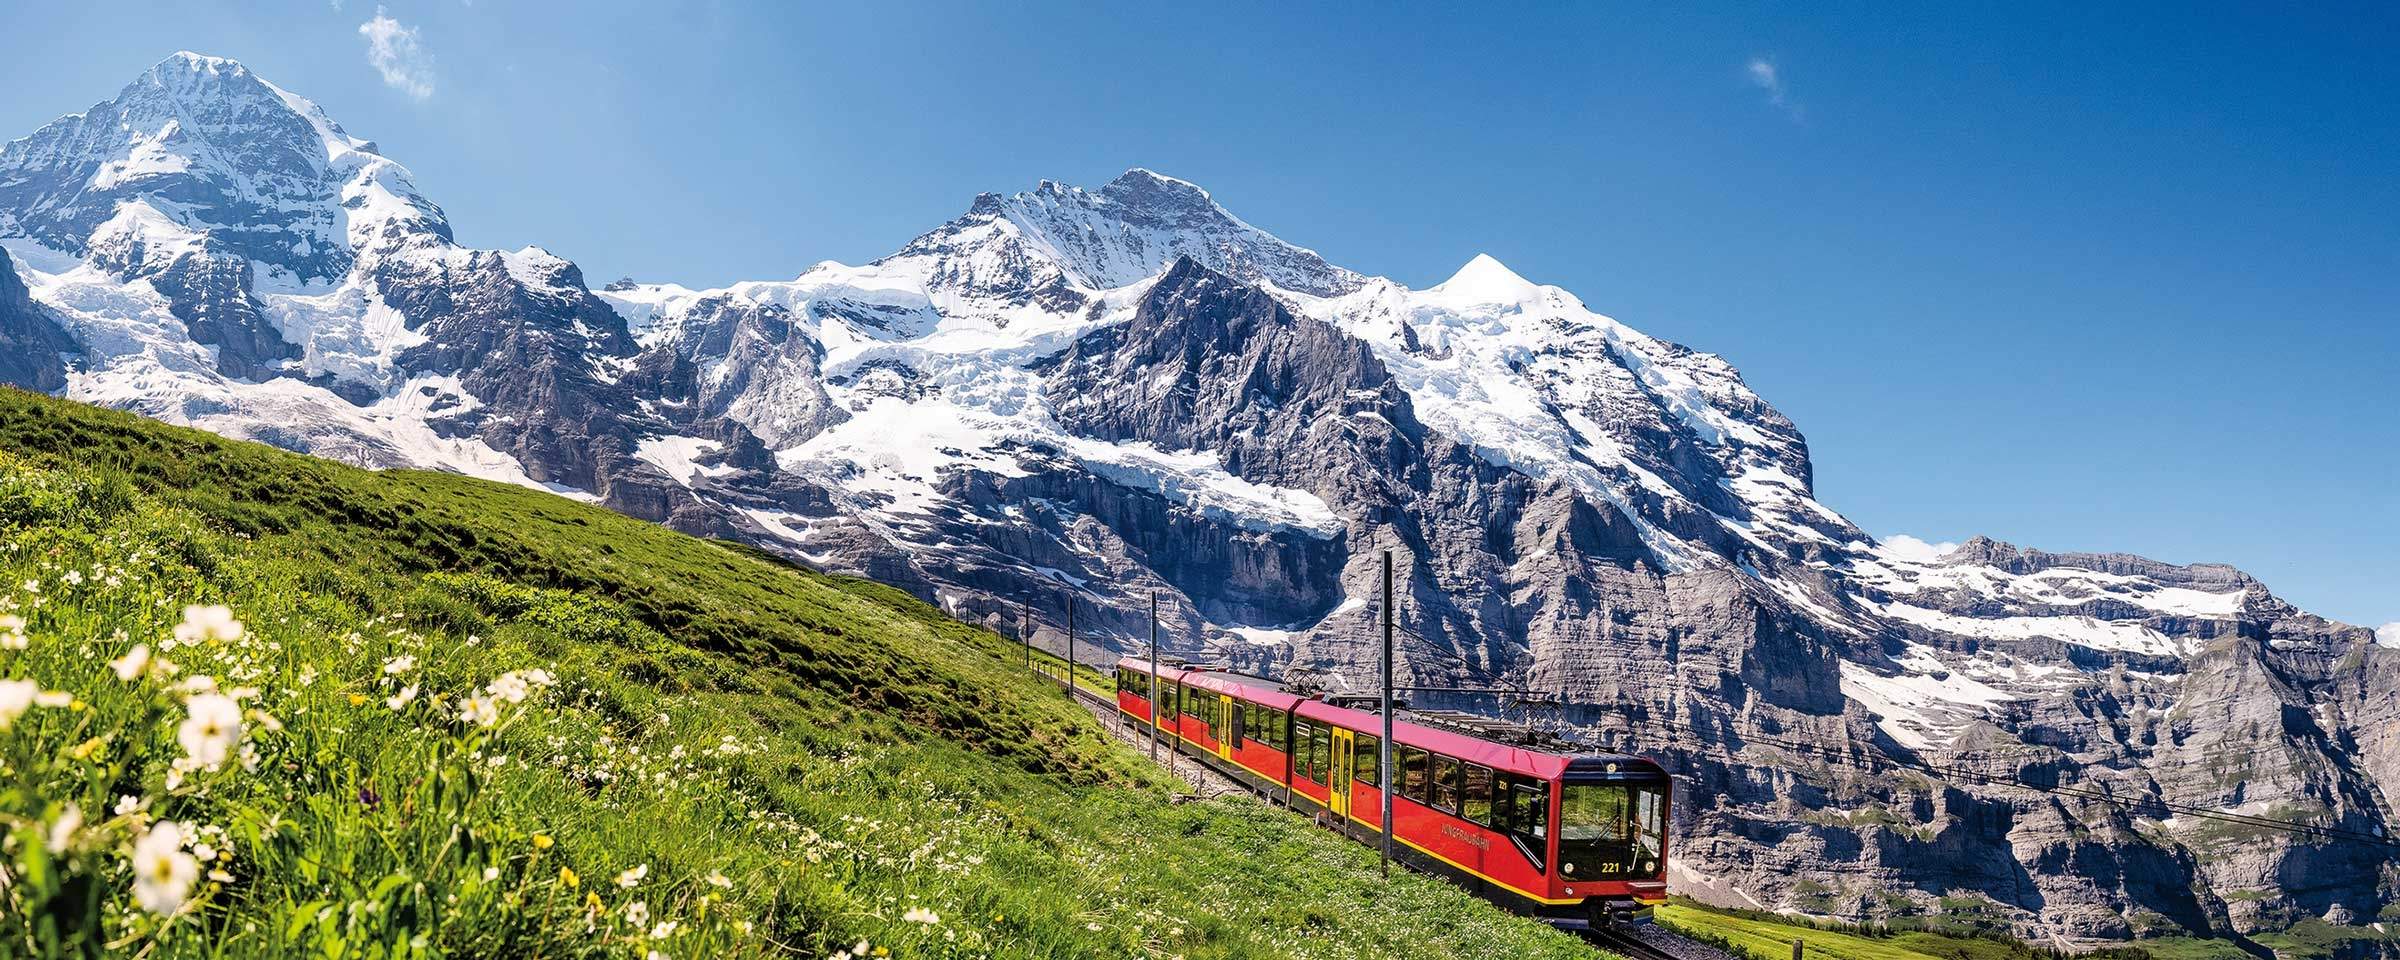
(1486, 280)
(253, 171)
(1130, 229)
(1146, 194)
(188, 74)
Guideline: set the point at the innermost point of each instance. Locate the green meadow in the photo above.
(254, 704)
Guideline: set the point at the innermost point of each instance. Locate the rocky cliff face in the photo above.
(1097, 396)
(33, 349)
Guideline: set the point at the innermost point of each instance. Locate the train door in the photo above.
(1220, 724)
(1339, 778)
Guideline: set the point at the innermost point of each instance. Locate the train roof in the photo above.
(1258, 690)
(1514, 758)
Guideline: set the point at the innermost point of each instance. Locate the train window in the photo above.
(1235, 712)
(1279, 724)
(1650, 820)
(1476, 797)
(1529, 808)
(1368, 755)
(1445, 783)
(1412, 773)
(1320, 752)
(1300, 758)
(1609, 829)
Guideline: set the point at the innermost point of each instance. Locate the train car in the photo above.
(1576, 839)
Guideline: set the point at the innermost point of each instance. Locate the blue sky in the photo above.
(2079, 277)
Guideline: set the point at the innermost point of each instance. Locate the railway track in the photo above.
(1635, 943)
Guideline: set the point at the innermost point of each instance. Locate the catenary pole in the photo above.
(1383, 747)
(1153, 676)
(1070, 644)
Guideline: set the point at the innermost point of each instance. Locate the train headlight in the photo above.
(1649, 865)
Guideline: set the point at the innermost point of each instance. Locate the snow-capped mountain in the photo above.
(1091, 395)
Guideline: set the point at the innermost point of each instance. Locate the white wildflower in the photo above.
(207, 624)
(162, 872)
(632, 878)
(12, 632)
(637, 913)
(16, 696)
(208, 734)
(62, 833)
(406, 696)
(134, 664)
(508, 688)
(921, 915)
(480, 711)
(399, 665)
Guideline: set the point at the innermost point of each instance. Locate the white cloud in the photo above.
(1768, 77)
(2389, 634)
(1906, 547)
(393, 50)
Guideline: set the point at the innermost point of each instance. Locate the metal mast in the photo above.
(1383, 747)
(1153, 676)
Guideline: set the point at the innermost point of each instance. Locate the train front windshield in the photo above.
(1611, 830)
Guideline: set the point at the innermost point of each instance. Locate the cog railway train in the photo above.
(1579, 840)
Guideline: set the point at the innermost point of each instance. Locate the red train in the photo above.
(1576, 839)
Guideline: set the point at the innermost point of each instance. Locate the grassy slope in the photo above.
(1765, 937)
(798, 760)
